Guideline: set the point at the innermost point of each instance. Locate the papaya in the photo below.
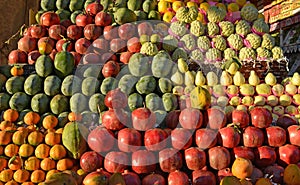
(63, 14)
(200, 98)
(62, 4)
(134, 4)
(108, 84)
(146, 85)
(64, 62)
(138, 64)
(48, 5)
(19, 101)
(124, 15)
(140, 15)
(78, 103)
(59, 103)
(93, 71)
(2, 81)
(149, 5)
(169, 101)
(33, 84)
(74, 138)
(52, 85)
(90, 86)
(74, 15)
(59, 178)
(44, 66)
(127, 83)
(4, 101)
(161, 64)
(135, 101)
(15, 84)
(40, 103)
(96, 103)
(62, 119)
(154, 102)
(71, 85)
(76, 5)
(164, 85)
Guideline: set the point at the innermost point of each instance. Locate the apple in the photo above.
(134, 45)
(17, 56)
(172, 119)
(143, 119)
(32, 57)
(178, 178)
(108, 56)
(285, 121)
(91, 161)
(101, 45)
(57, 31)
(91, 58)
(129, 140)
(118, 45)
(219, 157)
(195, 158)
(288, 154)
(97, 177)
(101, 140)
(111, 121)
(49, 18)
(37, 31)
(61, 42)
(110, 32)
(261, 117)
(127, 31)
(27, 44)
(45, 45)
(66, 23)
(170, 160)
(253, 137)
(94, 8)
(276, 172)
(154, 179)
(83, 19)
(203, 177)
(82, 45)
(111, 69)
(216, 118)
(244, 152)
(191, 118)
(155, 139)
(229, 137)
(131, 178)
(74, 32)
(206, 138)
(115, 161)
(276, 136)
(294, 134)
(125, 56)
(92, 31)
(181, 138)
(224, 173)
(264, 156)
(115, 99)
(103, 19)
(145, 28)
(143, 162)
(241, 118)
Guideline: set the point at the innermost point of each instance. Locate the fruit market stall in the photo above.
(149, 92)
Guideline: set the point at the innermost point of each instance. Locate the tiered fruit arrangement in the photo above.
(109, 104)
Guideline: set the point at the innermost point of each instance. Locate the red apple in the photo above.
(276, 136)
(244, 152)
(143, 119)
(74, 32)
(27, 44)
(127, 31)
(101, 140)
(261, 117)
(101, 44)
(253, 137)
(116, 161)
(203, 177)
(178, 178)
(115, 99)
(170, 160)
(229, 137)
(181, 138)
(57, 31)
(111, 121)
(134, 45)
(219, 157)
(155, 139)
(82, 45)
(286, 120)
(92, 31)
(111, 69)
(66, 23)
(288, 154)
(129, 140)
(276, 171)
(154, 179)
(131, 178)
(264, 156)
(33, 56)
(49, 18)
(240, 117)
(91, 161)
(103, 19)
(17, 56)
(110, 32)
(83, 19)
(294, 134)
(143, 162)
(145, 28)
(191, 118)
(216, 118)
(38, 31)
(195, 158)
(94, 8)
(117, 45)
(125, 56)
(172, 119)
(206, 138)
(61, 42)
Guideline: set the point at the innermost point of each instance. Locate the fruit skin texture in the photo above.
(64, 62)
(261, 117)
(242, 168)
(219, 157)
(230, 180)
(74, 139)
(178, 178)
(291, 175)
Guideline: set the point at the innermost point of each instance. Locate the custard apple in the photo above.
(253, 40)
(235, 41)
(246, 54)
(189, 42)
(229, 53)
(242, 28)
(249, 13)
(277, 53)
(213, 29)
(187, 14)
(227, 28)
(197, 28)
(260, 27)
(178, 28)
(148, 48)
(197, 55)
(268, 41)
(263, 53)
(215, 14)
(219, 42)
(213, 55)
(203, 43)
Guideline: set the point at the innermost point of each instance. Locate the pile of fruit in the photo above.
(147, 92)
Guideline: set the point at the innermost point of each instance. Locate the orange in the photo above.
(242, 168)
(1, 150)
(27, 183)
(72, 116)
(163, 6)
(6, 175)
(42, 151)
(32, 163)
(50, 122)
(11, 150)
(5, 137)
(16, 70)
(58, 152)
(21, 175)
(11, 182)
(3, 163)
(10, 115)
(48, 164)
(37, 176)
(19, 137)
(31, 118)
(15, 163)
(177, 4)
(64, 164)
(35, 138)
(4, 124)
(52, 138)
(26, 150)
